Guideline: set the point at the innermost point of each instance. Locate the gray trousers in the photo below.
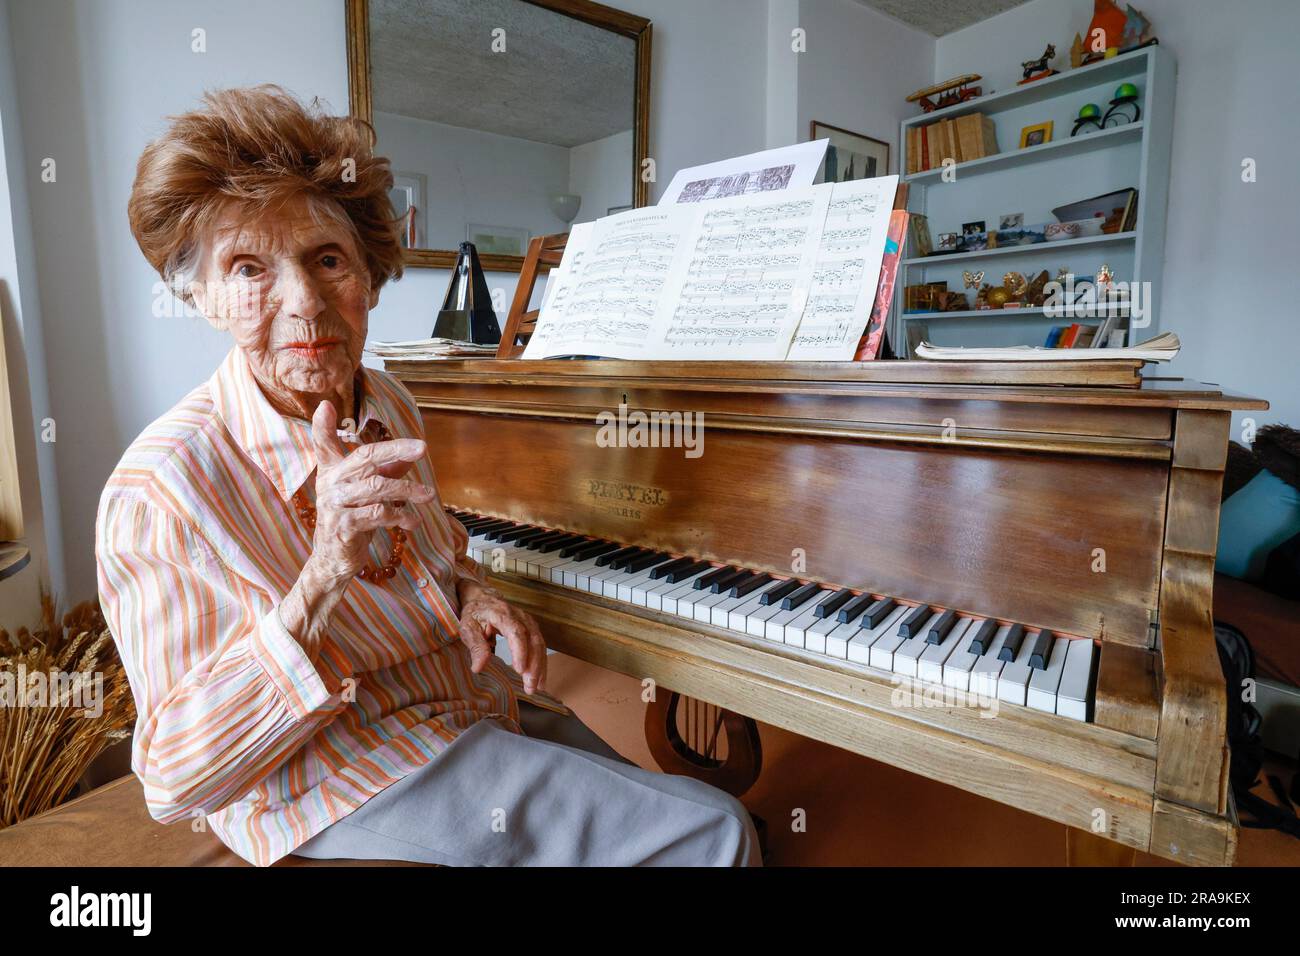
(559, 796)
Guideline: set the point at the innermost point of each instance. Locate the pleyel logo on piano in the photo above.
(655, 429)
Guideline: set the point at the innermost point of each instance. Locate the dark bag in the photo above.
(1238, 663)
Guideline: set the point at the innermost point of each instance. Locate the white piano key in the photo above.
(637, 580)
(817, 634)
(957, 668)
(594, 580)
(610, 585)
(774, 626)
(736, 616)
(1072, 695)
(984, 675)
(684, 590)
(882, 651)
(570, 572)
(705, 605)
(929, 667)
(1044, 682)
(858, 648)
(540, 567)
(909, 652)
(719, 613)
(641, 592)
(1013, 682)
(796, 631)
(756, 620)
(654, 596)
(687, 602)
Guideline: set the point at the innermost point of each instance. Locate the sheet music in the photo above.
(785, 167)
(747, 276)
(846, 270)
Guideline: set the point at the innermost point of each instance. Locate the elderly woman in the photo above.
(308, 643)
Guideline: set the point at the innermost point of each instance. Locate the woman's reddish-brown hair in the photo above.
(257, 147)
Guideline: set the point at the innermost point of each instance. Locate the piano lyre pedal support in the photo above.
(1073, 515)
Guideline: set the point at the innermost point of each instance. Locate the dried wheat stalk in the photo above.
(45, 749)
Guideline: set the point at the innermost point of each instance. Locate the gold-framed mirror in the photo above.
(501, 116)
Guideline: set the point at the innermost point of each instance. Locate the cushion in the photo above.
(1254, 521)
(111, 826)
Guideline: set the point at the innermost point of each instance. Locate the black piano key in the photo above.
(725, 584)
(500, 534)
(833, 603)
(595, 549)
(983, 638)
(559, 543)
(534, 542)
(603, 560)
(741, 588)
(913, 621)
(648, 561)
(778, 591)
(524, 536)
(705, 581)
(620, 564)
(493, 525)
(1011, 646)
(796, 598)
(940, 628)
(855, 607)
(569, 550)
(878, 612)
(666, 569)
(1042, 650)
(692, 569)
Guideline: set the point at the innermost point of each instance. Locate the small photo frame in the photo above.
(1010, 220)
(969, 228)
(948, 241)
(1036, 135)
(497, 240)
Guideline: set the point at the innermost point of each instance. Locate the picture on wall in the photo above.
(850, 155)
(498, 240)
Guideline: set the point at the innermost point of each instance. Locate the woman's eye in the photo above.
(247, 271)
(329, 261)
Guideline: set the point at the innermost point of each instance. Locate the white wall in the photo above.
(601, 173)
(1231, 280)
(859, 67)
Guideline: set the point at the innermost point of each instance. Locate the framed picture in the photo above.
(850, 155)
(408, 197)
(1011, 220)
(1036, 135)
(948, 241)
(970, 228)
(615, 210)
(498, 240)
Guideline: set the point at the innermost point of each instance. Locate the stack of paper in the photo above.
(430, 349)
(1162, 348)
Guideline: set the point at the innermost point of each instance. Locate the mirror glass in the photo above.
(503, 120)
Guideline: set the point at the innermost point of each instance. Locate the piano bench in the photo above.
(110, 826)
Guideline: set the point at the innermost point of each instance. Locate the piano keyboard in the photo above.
(1006, 662)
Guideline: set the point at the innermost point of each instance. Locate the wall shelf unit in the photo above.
(1034, 180)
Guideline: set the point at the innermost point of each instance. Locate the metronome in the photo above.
(467, 314)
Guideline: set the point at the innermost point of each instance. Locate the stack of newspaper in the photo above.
(430, 349)
(1162, 348)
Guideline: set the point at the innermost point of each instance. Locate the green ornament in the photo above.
(1125, 91)
(1089, 111)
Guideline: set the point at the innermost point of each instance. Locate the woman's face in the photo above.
(294, 291)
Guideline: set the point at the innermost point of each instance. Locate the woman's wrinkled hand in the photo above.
(485, 613)
(357, 491)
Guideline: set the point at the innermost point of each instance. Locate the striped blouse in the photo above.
(197, 542)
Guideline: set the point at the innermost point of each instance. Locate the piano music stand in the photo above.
(542, 251)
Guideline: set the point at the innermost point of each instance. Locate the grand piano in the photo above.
(997, 576)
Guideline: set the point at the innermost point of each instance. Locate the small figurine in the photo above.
(1137, 29)
(1034, 295)
(997, 298)
(1089, 115)
(1105, 277)
(1124, 107)
(1015, 283)
(1037, 69)
(949, 92)
(1076, 52)
(982, 296)
(973, 279)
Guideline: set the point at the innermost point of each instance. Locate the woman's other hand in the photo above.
(357, 491)
(483, 612)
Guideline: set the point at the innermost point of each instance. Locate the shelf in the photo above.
(1070, 81)
(1036, 311)
(1037, 248)
(1070, 146)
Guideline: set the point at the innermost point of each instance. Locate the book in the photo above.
(767, 275)
(870, 343)
(918, 227)
(1162, 348)
(1053, 337)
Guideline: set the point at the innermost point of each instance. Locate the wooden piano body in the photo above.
(1091, 509)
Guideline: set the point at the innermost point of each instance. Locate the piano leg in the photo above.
(1087, 849)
